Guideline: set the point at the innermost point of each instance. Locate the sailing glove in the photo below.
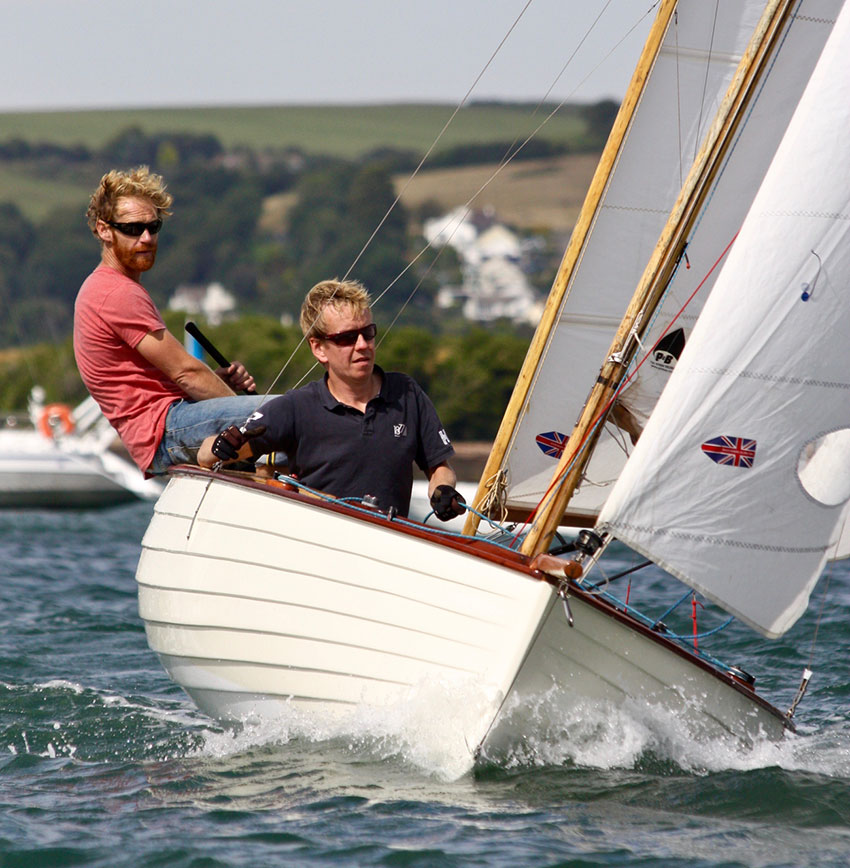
(447, 502)
(227, 445)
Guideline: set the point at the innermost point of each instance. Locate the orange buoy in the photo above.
(55, 419)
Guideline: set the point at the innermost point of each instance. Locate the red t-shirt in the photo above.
(111, 315)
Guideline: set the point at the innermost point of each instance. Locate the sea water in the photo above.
(105, 762)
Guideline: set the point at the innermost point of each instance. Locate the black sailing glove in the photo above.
(447, 502)
(227, 445)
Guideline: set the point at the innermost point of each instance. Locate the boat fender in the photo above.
(559, 567)
(55, 419)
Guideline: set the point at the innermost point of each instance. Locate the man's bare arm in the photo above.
(164, 351)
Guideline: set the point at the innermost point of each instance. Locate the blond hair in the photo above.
(348, 295)
(139, 182)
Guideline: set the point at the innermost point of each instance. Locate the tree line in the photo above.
(216, 233)
(469, 373)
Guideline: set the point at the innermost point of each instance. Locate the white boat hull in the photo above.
(254, 598)
(36, 471)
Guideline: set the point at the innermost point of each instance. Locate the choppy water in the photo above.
(104, 762)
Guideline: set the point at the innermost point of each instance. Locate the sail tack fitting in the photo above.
(801, 692)
(625, 353)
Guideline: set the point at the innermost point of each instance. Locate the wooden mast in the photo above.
(657, 274)
(571, 257)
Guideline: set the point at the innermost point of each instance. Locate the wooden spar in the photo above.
(657, 274)
(572, 255)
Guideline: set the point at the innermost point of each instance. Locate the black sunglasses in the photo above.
(349, 338)
(136, 229)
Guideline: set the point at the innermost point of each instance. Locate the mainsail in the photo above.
(701, 49)
(739, 484)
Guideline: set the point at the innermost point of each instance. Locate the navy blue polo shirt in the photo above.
(341, 451)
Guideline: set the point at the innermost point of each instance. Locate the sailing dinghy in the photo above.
(257, 595)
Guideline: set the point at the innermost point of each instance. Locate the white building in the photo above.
(455, 229)
(494, 286)
(498, 289)
(213, 302)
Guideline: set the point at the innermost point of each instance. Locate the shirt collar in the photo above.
(331, 403)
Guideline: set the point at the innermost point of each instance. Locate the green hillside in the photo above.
(343, 131)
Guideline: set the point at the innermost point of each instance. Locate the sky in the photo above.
(74, 54)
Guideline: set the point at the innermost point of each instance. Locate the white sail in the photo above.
(740, 482)
(698, 58)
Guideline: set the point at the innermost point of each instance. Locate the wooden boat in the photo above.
(258, 597)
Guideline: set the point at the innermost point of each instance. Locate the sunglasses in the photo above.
(349, 338)
(135, 230)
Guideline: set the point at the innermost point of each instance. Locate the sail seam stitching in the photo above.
(770, 378)
(718, 542)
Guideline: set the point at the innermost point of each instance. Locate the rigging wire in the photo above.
(807, 670)
(399, 196)
(434, 144)
(705, 80)
(510, 155)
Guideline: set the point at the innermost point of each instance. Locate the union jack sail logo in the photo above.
(552, 443)
(732, 451)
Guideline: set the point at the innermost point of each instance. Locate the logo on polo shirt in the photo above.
(400, 430)
(444, 437)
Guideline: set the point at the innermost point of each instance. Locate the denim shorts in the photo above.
(189, 423)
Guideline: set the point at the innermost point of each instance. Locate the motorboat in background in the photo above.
(63, 457)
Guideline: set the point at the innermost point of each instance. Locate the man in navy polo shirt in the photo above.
(357, 431)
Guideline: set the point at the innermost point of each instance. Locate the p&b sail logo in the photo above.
(667, 352)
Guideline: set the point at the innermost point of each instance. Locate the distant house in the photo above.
(456, 229)
(498, 289)
(213, 302)
(494, 286)
(497, 242)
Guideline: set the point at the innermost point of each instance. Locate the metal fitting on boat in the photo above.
(588, 542)
(565, 598)
(742, 676)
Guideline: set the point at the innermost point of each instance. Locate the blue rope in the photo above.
(676, 605)
(682, 639)
(685, 638)
(354, 503)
